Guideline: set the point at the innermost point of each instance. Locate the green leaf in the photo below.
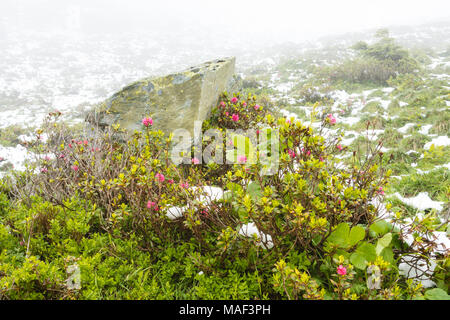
(339, 235)
(388, 255)
(436, 294)
(383, 242)
(381, 227)
(363, 254)
(358, 261)
(356, 234)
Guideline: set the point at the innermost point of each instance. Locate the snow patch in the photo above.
(250, 229)
(421, 202)
(438, 141)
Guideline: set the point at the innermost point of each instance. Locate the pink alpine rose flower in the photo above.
(341, 270)
(291, 153)
(147, 121)
(339, 147)
(234, 100)
(331, 118)
(184, 185)
(160, 177)
(235, 117)
(242, 159)
(195, 161)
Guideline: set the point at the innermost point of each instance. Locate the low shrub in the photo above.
(112, 216)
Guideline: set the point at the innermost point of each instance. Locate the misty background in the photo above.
(260, 21)
(68, 55)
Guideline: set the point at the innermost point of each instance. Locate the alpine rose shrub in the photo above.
(308, 230)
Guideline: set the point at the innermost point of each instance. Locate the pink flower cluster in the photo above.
(291, 153)
(242, 159)
(184, 185)
(84, 142)
(152, 205)
(331, 118)
(341, 270)
(160, 177)
(147, 121)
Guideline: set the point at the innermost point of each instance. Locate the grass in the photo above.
(435, 182)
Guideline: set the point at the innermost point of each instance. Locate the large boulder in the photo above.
(173, 101)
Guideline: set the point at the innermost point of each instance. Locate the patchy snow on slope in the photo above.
(15, 155)
(385, 104)
(438, 141)
(349, 120)
(406, 127)
(424, 129)
(421, 202)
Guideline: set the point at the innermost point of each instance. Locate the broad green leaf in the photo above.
(436, 294)
(339, 236)
(363, 254)
(356, 234)
(381, 227)
(383, 242)
(358, 260)
(368, 250)
(388, 255)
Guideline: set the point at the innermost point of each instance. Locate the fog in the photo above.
(236, 21)
(69, 55)
(72, 54)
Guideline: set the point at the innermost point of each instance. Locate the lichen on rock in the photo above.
(173, 101)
